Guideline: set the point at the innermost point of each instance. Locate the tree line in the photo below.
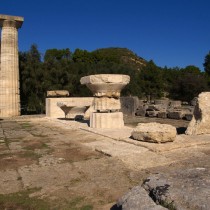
(61, 69)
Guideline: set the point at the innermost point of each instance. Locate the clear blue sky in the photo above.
(170, 32)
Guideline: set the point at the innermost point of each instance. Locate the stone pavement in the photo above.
(66, 161)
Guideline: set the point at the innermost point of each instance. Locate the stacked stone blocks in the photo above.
(106, 89)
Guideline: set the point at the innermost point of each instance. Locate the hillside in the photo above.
(121, 56)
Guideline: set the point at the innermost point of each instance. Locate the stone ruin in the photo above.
(154, 132)
(106, 89)
(9, 69)
(200, 124)
(165, 108)
(57, 93)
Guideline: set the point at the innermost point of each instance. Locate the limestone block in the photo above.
(106, 120)
(53, 105)
(140, 111)
(200, 123)
(89, 112)
(162, 114)
(175, 104)
(154, 132)
(152, 113)
(179, 114)
(162, 104)
(109, 85)
(129, 105)
(57, 93)
(105, 103)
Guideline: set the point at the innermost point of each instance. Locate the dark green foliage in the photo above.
(61, 69)
(207, 64)
(31, 80)
(188, 83)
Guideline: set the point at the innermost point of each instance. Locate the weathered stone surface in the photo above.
(175, 104)
(106, 120)
(129, 105)
(181, 189)
(57, 93)
(9, 74)
(17, 19)
(141, 111)
(188, 117)
(152, 113)
(194, 101)
(154, 132)
(162, 114)
(77, 113)
(137, 199)
(178, 114)
(200, 123)
(109, 85)
(53, 105)
(162, 102)
(106, 88)
(106, 104)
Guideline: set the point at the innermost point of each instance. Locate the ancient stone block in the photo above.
(106, 89)
(162, 115)
(57, 93)
(109, 85)
(162, 103)
(154, 132)
(129, 105)
(151, 113)
(106, 120)
(175, 104)
(106, 104)
(200, 123)
(140, 111)
(176, 114)
(53, 105)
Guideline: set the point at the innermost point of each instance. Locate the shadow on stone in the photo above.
(115, 207)
(181, 130)
(76, 119)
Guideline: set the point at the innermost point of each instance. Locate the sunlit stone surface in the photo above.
(9, 73)
(106, 89)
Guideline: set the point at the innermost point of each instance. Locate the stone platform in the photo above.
(58, 160)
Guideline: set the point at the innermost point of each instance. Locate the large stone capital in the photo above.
(106, 85)
(11, 21)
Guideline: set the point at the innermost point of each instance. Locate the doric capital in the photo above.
(11, 21)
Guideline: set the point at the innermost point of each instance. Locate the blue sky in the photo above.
(170, 32)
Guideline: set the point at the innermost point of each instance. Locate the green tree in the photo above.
(189, 83)
(31, 80)
(206, 64)
(151, 80)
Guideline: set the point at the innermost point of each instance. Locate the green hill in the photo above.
(121, 56)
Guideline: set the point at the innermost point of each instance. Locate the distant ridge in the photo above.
(121, 56)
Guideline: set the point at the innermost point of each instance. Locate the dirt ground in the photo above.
(52, 164)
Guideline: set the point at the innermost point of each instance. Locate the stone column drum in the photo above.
(9, 71)
(106, 89)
